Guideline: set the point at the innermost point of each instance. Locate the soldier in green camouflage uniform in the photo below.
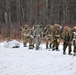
(24, 34)
(38, 36)
(67, 39)
(48, 33)
(31, 39)
(56, 37)
(74, 40)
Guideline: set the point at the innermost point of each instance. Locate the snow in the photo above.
(22, 61)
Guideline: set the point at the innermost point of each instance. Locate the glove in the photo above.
(34, 36)
(43, 34)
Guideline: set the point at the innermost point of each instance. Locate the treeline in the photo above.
(16, 13)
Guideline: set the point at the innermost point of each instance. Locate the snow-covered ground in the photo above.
(22, 61)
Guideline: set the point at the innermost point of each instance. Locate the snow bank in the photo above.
(11, 44)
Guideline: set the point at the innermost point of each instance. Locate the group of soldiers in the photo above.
(53, 34)
(32, 36)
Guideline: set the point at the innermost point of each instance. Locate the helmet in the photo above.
(67, 28)
(26, 26)
(74, 27)
(56, 25)
(38, 26)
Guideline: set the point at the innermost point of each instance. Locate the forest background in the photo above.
(16, 13)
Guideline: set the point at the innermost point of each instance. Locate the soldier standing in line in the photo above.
(31, 39)
(48, 33)
(67, 39)
(38, 36)
(24, 34)
(56, 36)
(74, 40)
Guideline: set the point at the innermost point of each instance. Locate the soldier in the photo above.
(67, 39)
(48, 33)
(31, 39)
(37, 35)
(74, 40)
(24, 34)
(56, 36)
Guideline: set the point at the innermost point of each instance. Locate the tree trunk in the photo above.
(8, 17)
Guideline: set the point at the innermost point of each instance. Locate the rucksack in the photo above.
(67, 38)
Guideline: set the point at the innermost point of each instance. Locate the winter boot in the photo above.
(64, 53)
(25, 45)
(74, 54)
(31, 46)
(53, 49)
(37, 48)
(57, 49)
(69, 53)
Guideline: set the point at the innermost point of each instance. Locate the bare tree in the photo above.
(8, 17)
